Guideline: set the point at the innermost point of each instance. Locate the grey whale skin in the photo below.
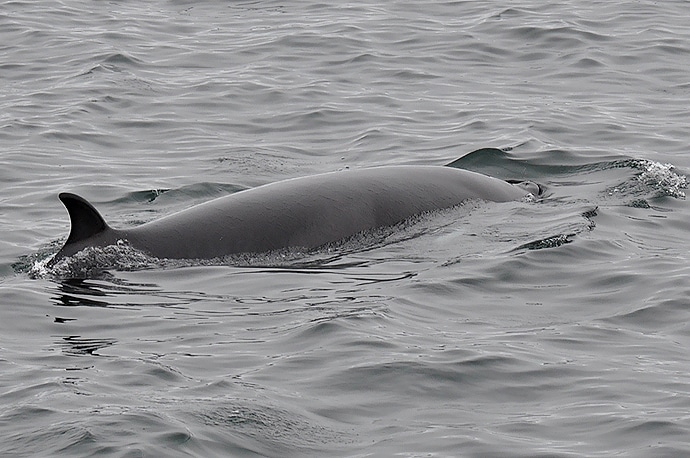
(305, 212)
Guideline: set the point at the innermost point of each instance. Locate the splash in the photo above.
(662, 178)
(91, 262)
(654, 180)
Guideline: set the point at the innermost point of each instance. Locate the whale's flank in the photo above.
(305, 212)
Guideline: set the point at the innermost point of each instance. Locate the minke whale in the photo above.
(305, 212)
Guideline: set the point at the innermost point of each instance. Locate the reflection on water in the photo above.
(82, 346)
(95, 293)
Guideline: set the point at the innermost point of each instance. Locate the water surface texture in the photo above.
(549, 328)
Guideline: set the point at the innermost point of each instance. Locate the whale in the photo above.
(304, 213)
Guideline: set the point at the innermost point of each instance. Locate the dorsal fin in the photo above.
(85, 220)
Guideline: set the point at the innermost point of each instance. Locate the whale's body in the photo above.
(303, 212)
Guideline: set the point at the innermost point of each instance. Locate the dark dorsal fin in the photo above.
(84, 219)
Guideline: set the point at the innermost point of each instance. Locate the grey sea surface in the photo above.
(557, 327)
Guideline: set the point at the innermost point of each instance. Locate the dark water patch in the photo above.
(435, 377)
(267, 430)
(118, 59)
(589, 64)
(639, 203)
(134, 432)
(45, 438)
(79, 346)
(550, 242)
(554, 241)
(561, 37)
(413, 376)
(661, 314)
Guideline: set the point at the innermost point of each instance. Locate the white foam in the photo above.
(662, 178)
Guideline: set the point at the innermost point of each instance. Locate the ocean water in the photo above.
(549, 328)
